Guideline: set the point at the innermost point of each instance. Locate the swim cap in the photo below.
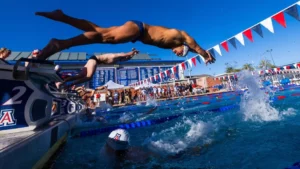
(35, 52)
(57, 68)
(118, 139)
(185, 50)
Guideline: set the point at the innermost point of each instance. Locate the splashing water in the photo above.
(176, 139)
(255, 103)
(150, 101)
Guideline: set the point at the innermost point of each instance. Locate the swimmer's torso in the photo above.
(162, 37)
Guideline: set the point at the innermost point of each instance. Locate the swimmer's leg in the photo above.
(122, 34)
(81, 24)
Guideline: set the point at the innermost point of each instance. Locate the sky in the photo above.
(209, 22)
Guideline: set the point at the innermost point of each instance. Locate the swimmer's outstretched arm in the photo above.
(197, 49)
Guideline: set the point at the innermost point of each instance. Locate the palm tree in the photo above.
(248, 66)
(229, 69)
(266, 64)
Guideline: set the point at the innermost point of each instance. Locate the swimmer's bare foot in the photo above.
(54, 15)
(110, 59)
(52, 48)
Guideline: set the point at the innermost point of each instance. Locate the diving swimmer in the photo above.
(88, 70)
(131, 31)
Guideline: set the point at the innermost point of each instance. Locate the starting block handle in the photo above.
(20, 75)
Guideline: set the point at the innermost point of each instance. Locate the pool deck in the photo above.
(175, 98)
(32, 149)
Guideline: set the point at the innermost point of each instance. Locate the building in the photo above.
(138, 68)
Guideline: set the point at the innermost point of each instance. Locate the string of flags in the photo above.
(267, 23)
(294, 68)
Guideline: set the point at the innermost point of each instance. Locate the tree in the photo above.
(230, 69)
(266, 64)
(248, 66)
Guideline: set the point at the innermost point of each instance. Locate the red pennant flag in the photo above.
(168, 72)
(194, 61)
(157, 77)
(162, 75)
(225, 46)
(248, 34)
(280, 19)
(174, 69)
(183, 65)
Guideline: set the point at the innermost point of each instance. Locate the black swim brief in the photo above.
(141, 28)
(95, 58)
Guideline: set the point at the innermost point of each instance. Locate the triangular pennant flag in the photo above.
(258, 30)
(174, 69)
(280, 19)
(240, 38)
(293, 11)
(168, 72)
(160, 76)
(232, 42)
(248, 34)
(225, 46)
(194, 60)
(217, 48)
(198, 58)
(190, 62)
(186, 64)
(267, 23)
(212, 52)
(183, 65)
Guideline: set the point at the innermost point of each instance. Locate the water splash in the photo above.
(177, 138)
(150, 101)
(255, 103)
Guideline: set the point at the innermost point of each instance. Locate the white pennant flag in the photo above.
(217, 48)
(267, 23)
(159, 76)
(190, 62)
(166, 73)
(240, 38)
(172, 70)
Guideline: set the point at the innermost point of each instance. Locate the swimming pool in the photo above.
(213, 131)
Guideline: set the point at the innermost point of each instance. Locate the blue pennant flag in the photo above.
(258, 30)
(198, 58)
(186, 64)
(293, 11)
(232, 42)
(212, 52)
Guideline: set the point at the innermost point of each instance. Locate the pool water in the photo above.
(260, 131)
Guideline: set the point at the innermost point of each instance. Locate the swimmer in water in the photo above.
(131, 31)
(117, 151)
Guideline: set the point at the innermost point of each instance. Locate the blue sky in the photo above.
(209, 22)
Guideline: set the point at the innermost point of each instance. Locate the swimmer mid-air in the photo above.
(179, 41)
(89, 69)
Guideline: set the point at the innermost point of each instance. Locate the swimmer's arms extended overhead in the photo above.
(194, 47)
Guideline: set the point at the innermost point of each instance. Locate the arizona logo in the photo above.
(7, 118)
(117, 136)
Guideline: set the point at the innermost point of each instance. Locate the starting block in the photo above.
(25, 102)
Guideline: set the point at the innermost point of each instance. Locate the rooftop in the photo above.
(72, 56)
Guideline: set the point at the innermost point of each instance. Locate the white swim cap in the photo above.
(185, 50)
(118, 139)
(57, 68)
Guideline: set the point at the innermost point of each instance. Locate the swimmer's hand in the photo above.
(209, 58)
(134, 52)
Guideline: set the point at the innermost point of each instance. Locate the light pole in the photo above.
(270, 51)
